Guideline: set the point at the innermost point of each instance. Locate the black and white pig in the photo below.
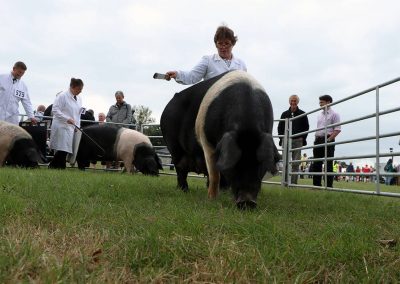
(17, 147)
(222, 126)
(132, 147)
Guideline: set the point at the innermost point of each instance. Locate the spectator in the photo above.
(213, 65)
(372, 170)
(303, 164)
(365, 170)
(39, 112)
(389, 169)
(102, 118)
(336, 170)
(121, 112)
(67, 110)
(325, 118)
(133, 120)
(358, 170)
(12, 91)
(350, 169)
(310, 167)
(298, 125)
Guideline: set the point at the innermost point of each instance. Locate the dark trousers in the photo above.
(317, 166)
(59, 160)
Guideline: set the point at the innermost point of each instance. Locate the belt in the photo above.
(323, 137)
(319, 139)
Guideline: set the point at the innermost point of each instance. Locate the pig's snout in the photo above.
(246, 203)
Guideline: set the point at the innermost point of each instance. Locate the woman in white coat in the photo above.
(213, 65)
(66, 114)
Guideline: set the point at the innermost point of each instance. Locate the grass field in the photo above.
(71, 226)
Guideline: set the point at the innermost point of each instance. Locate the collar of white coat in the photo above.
(216, 57)
(12, 78)
(72, 95)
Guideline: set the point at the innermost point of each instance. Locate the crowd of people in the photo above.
(67, 110)
(67, 113)
(367, 173)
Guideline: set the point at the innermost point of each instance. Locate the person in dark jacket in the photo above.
(350, 169)
(298, 125)
(121, 112)
(389, 168)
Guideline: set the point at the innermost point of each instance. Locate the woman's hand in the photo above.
(171, 74)
(71, 121)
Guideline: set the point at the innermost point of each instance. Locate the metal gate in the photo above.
(373, 119)
(382, 109)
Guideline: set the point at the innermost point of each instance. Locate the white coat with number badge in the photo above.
(62, 133)
(11, 93)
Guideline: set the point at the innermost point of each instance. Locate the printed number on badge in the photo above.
(19, 94)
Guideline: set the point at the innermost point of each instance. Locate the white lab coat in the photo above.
(209, 67)
(11, 93)
(62, 133)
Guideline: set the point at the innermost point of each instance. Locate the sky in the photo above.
(309, 48)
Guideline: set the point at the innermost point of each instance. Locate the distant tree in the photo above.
(142, 115)
(154, 130)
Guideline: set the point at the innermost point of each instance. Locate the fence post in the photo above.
(326, 149)
(377, 146)
(285, 155)
(289, 152)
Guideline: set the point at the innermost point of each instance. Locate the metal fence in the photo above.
(377, 154)
(287, 149)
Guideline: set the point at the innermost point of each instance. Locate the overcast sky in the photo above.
(308, 48)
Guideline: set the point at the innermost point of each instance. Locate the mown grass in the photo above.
(71, 226)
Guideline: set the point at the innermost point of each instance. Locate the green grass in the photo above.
(71, 226)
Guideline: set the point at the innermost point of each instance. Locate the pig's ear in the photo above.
(267, 153)
(228, 152)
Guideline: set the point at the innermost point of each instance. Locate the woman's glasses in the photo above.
(221, 44)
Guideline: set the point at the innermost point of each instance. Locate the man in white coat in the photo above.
(67, 110)
(12, 91)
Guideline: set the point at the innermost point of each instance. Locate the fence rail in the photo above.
(288, 151)
(287, 161)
